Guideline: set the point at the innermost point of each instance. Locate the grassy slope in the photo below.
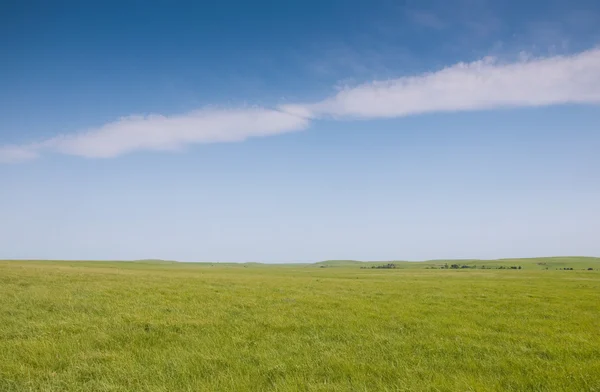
(93, 326)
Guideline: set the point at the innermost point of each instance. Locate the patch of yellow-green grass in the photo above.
(99, 326)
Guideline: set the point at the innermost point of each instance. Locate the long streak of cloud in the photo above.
(484, 84)
(162, 133)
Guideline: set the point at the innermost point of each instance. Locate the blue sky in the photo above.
(299, 131)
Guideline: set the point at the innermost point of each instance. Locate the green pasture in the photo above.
(333, 326)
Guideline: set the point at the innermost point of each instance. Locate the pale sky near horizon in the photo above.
(299, 131)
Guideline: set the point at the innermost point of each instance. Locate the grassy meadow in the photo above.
(332, 326)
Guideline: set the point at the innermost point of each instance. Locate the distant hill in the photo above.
(154, 261)
(339, 263)
(576, 262)
(539, 263)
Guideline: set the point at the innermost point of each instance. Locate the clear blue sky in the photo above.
(282, 131)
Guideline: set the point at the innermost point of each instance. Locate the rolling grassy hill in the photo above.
(540, 263)
(154, 261)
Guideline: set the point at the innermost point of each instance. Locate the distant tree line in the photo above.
(501, 267)
(465, 266)
(383, 266)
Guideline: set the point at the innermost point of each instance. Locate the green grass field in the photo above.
(160, 326)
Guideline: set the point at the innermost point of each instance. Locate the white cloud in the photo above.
(157, 132)
(16, 154)
(483, 84)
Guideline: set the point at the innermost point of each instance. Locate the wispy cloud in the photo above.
(16, 154)
(157, 132)
(484, 84)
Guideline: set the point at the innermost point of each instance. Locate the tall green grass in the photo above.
(99, 326)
